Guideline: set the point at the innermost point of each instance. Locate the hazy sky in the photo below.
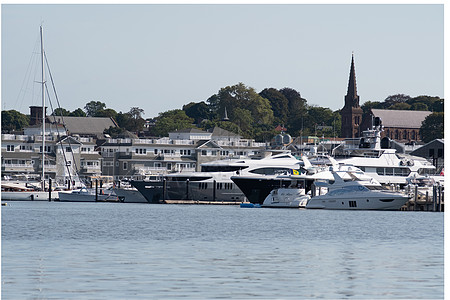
(159, 57)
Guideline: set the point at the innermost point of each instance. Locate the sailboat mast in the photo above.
(43, 109)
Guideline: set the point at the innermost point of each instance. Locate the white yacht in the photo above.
(356, 194)
(385, 165)
(286, 198)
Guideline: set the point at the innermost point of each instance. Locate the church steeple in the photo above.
(352, 98)
(351, 112)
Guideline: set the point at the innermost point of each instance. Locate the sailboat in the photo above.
(25, 192)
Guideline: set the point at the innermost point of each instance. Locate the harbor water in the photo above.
(53, 250)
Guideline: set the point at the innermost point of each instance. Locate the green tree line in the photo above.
(242, 110)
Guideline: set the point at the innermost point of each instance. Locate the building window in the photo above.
(203, 152)
(10, 148)
(431, 152)
(125, 165)
(156, 151)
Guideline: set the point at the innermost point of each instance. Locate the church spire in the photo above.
(352, 98)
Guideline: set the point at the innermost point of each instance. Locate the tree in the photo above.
(60, 112)
(135, 121)
(397, 98)
(122, 119)
(400, 106)
(198, 111)
(107, 113)
(297, 110)
(78, 113)
(94, 108)
(279, 104)
(419, 106)
(136, 112)
(243, 118)
(432, 127)
(114, 132)
(368, 105)
(13, 120)
(261, 110)
(171, 120)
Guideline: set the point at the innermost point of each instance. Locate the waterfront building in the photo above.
(22, 155)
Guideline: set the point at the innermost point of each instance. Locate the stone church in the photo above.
(403, 129)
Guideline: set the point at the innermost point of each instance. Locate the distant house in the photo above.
(433, 151)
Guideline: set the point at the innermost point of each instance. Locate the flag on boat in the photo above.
(295, 172)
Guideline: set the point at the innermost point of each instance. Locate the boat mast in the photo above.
(43, 110)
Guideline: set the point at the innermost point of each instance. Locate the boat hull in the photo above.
(286, 198)
(130, 195)
(28, 196)
(85, 197)
(152, 191)
(355, 202)
(257, 189)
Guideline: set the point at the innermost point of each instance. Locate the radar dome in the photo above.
(287, 139)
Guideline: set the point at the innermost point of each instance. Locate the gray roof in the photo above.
(90, 156)
(85, 125)
(190, 130)
(219, 132)
(10, 155)
(401, 118)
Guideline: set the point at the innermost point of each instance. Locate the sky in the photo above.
(161, 57)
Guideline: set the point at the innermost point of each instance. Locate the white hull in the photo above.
(286, 198)
(75, 196)
(383, 201)
(28, 196)
(130, 195)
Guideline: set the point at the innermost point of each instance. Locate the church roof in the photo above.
(401, 118)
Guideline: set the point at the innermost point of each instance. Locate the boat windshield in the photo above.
(223, 168)
(348, 189)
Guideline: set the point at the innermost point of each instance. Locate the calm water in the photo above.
(128, 251)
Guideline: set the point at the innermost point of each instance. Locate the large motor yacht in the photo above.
(213, 182)
(383, 164)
